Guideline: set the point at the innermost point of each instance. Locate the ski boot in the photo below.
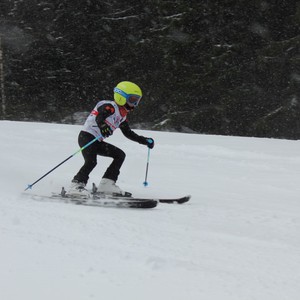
(78, 190)
(109, 187)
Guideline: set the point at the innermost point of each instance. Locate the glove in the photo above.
(150, 143)
(105, 130)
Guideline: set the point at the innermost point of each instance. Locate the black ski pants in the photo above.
(90, 158)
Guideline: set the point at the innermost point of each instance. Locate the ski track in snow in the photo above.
(237, 238)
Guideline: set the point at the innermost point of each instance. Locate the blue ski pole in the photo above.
(29, 186)
(148, 158)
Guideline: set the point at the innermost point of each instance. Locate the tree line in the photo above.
(215, 67)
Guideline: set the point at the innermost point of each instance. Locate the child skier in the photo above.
(106, 117)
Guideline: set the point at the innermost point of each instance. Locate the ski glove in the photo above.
(105, 130)
(150, 143)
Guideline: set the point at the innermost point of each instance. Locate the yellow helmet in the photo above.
(127, 92)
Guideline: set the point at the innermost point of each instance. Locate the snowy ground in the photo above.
(237, 239)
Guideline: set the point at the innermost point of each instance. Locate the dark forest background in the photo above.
(216, 67)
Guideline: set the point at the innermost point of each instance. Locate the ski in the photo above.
(128, 196)
(179, 200)
(102, 200)
(94, 200)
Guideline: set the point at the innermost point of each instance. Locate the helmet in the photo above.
(127, 92)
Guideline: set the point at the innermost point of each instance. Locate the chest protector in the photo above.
(112, 121)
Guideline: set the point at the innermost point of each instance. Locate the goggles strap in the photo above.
(117, 90)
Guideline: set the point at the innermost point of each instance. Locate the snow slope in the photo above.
(238, 238)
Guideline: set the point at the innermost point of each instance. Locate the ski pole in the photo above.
(81, 149)
(147, 166)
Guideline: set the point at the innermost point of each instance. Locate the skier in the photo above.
(106, 117)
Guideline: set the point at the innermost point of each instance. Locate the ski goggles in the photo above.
(131, 99)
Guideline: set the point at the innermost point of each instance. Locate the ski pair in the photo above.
(99, 199)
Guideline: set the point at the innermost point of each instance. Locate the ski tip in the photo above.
(180, 200)
(184, 199)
